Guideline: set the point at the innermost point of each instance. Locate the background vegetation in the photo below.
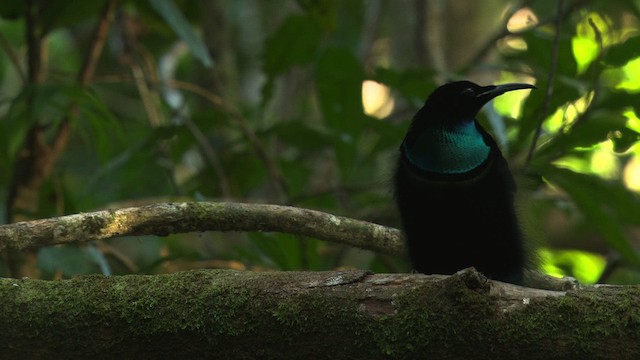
(107, 104)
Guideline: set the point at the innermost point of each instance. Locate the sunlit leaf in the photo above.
(539, 55)
(534, 104)
(589, 132)
(585, 267)
(585, 50)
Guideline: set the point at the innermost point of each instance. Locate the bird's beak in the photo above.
(492, 91)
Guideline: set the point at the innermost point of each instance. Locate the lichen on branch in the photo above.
(173, 218)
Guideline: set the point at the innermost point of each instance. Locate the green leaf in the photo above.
(63, 13)
(12, 10)
(172, 15)
(589, 132)
(323, 10)
(538, 53)
(619, 100)
(563, 94)
(295, 42)
(287, 252)
(302, 136)
(413, 84)
(246, 172)
(606, 206)
(70, 260)
(620, 54)
(105, 132)
(282, 249)
(120, 162)
(99, 259)
(339, 78)
(624, 139)
(42, 104)
(298, 173)
(391, 135)
(14, 127)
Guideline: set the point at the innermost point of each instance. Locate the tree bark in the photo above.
(315, 315)
(174, 218)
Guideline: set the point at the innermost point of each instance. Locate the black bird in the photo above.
(454, 190)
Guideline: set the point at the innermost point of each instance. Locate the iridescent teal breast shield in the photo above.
(448, 149)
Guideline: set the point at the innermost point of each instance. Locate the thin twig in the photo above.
(272, 167)
(582, 117)
(206, 149)
(278, 181)
(119, 256)
(99, 38)
(237, 118)
(553, 68)
(211, 157)
(8, 49)
(198, 90)
(34, 43)
(151, 107)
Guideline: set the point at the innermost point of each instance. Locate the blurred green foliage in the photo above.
(263, 102)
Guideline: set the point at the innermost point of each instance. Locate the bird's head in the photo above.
(459, 101)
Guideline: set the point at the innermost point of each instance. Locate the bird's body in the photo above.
(454, 190)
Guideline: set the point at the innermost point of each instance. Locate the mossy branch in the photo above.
(226, 314)
(173, 218)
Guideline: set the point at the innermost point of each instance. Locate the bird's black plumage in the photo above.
(454, 189)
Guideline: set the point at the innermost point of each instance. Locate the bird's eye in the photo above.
(468, 92)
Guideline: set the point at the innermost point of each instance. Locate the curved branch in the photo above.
(171, 218)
